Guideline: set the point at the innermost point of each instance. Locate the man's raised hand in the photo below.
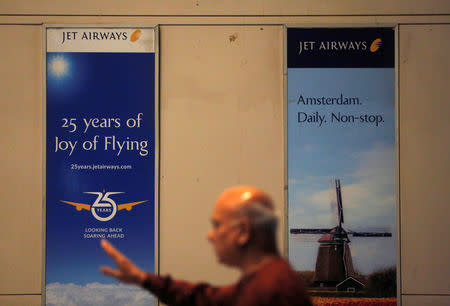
(126, 271)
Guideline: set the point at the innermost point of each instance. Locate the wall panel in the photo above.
(417, 300)
(21, 159)
(20, 300)
(226, 20)
(229, 7)
(221, 125)
(425, 158)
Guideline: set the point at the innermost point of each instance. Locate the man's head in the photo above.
(243, 221)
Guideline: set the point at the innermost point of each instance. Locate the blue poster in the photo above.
(100, 161)
(341, 163)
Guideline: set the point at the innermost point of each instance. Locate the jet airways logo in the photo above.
(104, 208)
(101, 35)
(376, 44)
(135, 35)
(338, 45)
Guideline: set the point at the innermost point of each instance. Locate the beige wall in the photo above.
(222, 124)
(229, 7)
(424, 158)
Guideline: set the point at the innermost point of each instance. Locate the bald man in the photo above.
(243, 235)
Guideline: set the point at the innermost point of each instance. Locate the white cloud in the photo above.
(368, 201)
(376, 165)
(322, 199)
(97, 294)
(307, 179)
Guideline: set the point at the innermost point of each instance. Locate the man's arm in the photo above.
(174, 292)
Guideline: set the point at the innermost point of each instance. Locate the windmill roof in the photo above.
(350, 279)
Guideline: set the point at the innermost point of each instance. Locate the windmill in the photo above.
(334, 260)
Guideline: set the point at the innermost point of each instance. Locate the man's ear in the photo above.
(245, 232)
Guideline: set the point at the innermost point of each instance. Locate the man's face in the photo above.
(224, 234)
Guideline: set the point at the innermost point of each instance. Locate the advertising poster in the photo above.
(101, 157)
(341, 163)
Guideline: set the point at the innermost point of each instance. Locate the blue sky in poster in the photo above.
(359, 153)
(114, 87)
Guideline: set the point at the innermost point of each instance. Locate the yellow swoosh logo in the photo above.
(135, 35)
(79, 206)
(376, 44)
(129, 206)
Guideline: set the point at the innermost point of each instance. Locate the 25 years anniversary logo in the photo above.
(104, 208)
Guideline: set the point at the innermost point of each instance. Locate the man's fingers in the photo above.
(109, 271)
(127, 271)
(111, 251)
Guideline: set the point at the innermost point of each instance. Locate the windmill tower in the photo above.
(334, 260)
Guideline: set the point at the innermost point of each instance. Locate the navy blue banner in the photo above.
(340, 48)
(100, 166)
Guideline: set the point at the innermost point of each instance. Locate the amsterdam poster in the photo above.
(341, 163)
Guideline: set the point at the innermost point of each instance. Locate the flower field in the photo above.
(332, 301)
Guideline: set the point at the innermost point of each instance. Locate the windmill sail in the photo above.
(339, 202)
(310, 230)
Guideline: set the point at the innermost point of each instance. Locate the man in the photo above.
(243, 235)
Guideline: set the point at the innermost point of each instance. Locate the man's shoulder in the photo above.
(279, 266)
(277, 281)
(281, 272)
(277, 277)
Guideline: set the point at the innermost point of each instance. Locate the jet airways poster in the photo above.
(101, 152)
(341, 162)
